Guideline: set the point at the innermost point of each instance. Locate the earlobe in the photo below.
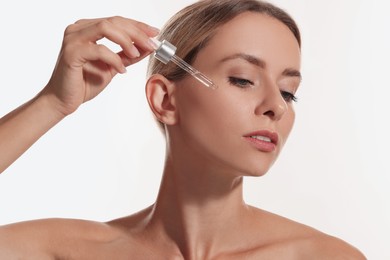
(161, 99)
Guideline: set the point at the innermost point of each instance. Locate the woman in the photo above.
(251, 51)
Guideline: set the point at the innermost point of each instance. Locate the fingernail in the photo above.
(153, 44)
(154, 29)
(134, 52)
(124, 70)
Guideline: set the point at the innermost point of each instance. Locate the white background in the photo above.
(105, 160)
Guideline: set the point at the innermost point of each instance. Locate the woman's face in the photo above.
(242, 126)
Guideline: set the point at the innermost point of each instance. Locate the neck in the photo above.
(198, 208)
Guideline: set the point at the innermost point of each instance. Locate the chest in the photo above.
(126, 250)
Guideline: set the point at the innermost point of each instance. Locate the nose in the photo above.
(272, 103)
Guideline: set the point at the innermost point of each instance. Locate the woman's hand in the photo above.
(85, 67)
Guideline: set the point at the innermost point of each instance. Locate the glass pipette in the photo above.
(165, 52)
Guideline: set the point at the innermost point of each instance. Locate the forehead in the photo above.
(255, 34)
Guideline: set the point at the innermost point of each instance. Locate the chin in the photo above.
(257, 170)
(259, 173)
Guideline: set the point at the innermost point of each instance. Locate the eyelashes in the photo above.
(245, 83)
(289, 97)
(239, 82)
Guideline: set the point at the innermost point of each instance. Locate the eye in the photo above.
(289, 97)
(239, 82)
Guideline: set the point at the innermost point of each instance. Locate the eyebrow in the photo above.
(289, 72)
(292, 73)
(249, 58)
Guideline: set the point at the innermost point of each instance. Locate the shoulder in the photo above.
(52, 227)
(304, 242)
(329, 247)
(44, 239)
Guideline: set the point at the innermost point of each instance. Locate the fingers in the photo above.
(126, 61)
(149, 30)
(132, 36)
(104, 54)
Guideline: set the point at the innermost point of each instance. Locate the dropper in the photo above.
(165, 52)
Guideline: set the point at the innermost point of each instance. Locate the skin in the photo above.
(83, 70)
(200, 212)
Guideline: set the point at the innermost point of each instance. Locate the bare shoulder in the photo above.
(329, 247)
(289, 239)
(48, 238)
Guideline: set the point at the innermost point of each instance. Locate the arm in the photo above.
(22, 127)
(84, 68)
(55, 239)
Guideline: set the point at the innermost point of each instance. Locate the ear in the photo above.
(161, 99)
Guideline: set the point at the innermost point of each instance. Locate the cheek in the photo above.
(286, 124)
(211, 121)
(211, 126)
(211, 109)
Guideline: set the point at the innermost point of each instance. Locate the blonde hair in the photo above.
(192, 28)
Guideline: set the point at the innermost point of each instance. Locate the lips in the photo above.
(263, 140)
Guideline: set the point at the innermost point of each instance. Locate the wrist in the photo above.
(50, 105)
(59, 102)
